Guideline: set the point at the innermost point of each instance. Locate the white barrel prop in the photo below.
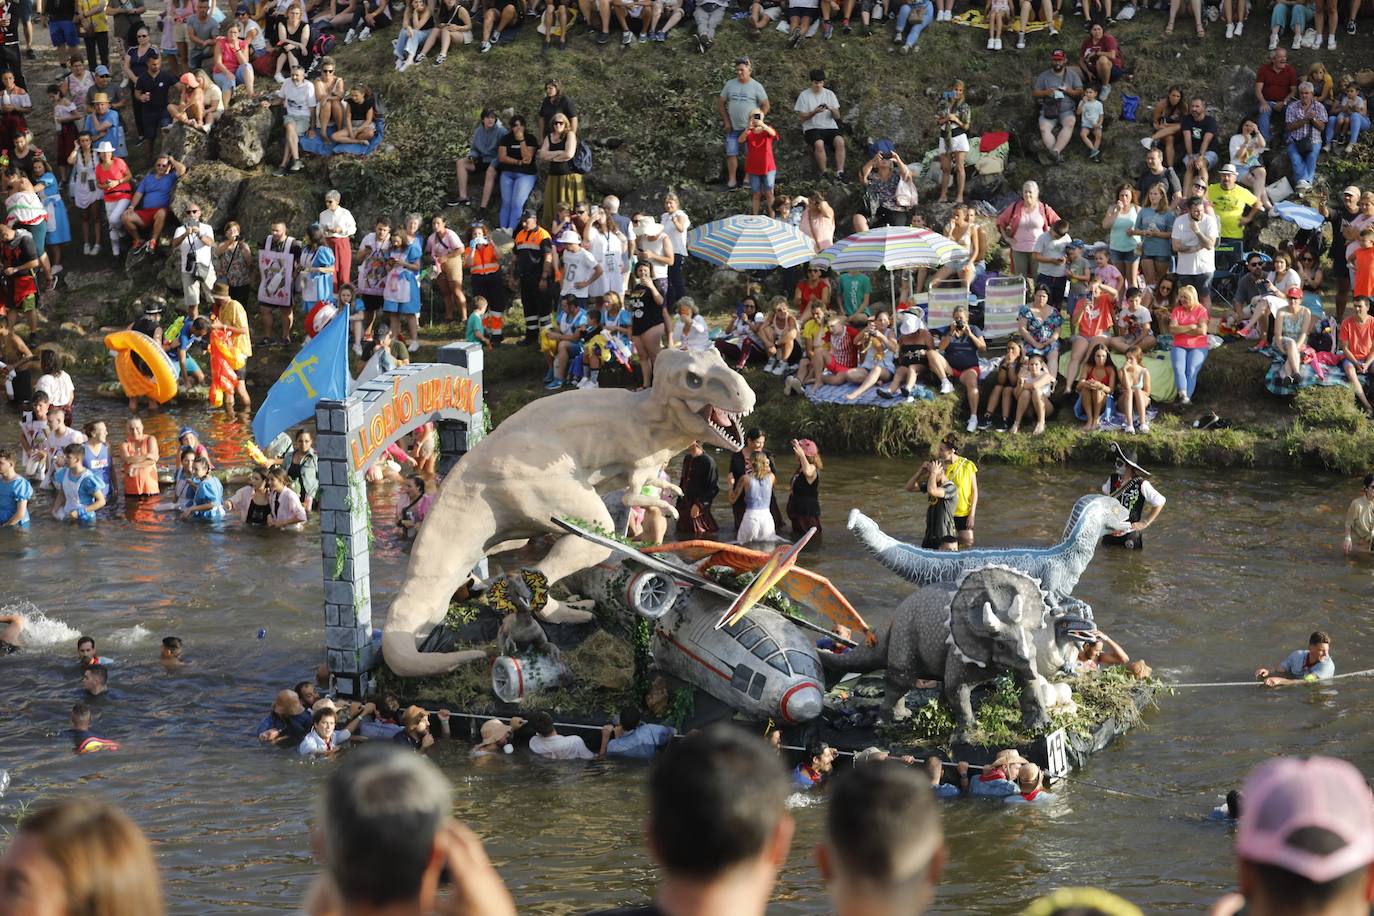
(516, 677)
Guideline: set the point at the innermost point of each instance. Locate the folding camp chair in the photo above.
(1002, 300)
(945, 296)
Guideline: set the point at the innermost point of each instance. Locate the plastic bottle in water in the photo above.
(4, 781)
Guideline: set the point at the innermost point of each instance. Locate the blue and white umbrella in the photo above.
(750, 243)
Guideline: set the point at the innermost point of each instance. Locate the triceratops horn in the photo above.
(1017, 610)
(990, 619)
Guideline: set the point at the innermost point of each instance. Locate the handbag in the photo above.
(906, 196)
(1304, 145)
(396, 289)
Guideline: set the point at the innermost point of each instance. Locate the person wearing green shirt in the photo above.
(475, 332)
(855, 289)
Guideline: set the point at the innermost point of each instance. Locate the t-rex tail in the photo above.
(451, 542)
(405, 658)
(914, 564)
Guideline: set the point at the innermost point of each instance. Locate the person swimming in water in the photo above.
(11, 625)
(1303, 665)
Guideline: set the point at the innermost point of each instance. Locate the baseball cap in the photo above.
(1076, 243)
(102, 70)
(1289, 803)
(1058, 54)
(1351, 191)
(1295, 292)
(241, 10)
(568, 237)
(1227, 169)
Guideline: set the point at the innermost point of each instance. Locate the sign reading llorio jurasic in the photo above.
(398, 401)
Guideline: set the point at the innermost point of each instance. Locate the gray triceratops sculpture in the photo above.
(992, 621)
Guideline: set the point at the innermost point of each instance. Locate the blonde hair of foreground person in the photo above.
(79, 857)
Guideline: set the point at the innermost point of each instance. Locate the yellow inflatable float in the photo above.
(158, 381)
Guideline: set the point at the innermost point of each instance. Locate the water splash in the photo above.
(803, 800)
(40, 630)
(128, 636)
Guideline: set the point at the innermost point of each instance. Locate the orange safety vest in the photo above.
(482, 260)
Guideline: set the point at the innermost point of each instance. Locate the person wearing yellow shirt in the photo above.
(964, 474)
(1234, 206)
(93, 21)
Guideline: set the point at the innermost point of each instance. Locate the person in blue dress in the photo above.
(403, 285)
(97, 454)
(205, 498)
(15, 493)
(318, 263)
(79, 495)
(59, 229)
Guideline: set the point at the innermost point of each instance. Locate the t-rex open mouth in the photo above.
(725, 424)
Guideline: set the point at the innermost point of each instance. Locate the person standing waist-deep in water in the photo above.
(1130, 488)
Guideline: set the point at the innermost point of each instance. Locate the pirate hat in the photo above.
(1130, 458)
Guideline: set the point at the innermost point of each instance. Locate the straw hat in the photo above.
(1029, 777)
(494, 732)
(288, 704)
(1008, 757)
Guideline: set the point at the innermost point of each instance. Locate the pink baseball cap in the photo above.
(1284, 796)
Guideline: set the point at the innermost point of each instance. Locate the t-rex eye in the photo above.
(693, 380)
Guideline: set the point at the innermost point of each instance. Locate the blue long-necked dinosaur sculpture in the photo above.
(1057, 568)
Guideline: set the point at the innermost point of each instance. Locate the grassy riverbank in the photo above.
(1319, 428)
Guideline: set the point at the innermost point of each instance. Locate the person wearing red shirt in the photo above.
(1100, 60)
(759, 164)
(1093, 320)
(815, 288)
(1276, 84)
(1357, 345)
(18, 258)
(113, 178)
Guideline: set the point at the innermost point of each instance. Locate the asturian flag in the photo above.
(319, 371)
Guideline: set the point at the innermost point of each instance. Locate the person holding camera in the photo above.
(881, 177)
(194, 244)
(961, 345)
(819, 111)
(942, 493)
(952, 120)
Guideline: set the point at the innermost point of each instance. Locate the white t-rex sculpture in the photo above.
(557, 456)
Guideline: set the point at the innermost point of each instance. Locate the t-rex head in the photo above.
(705, 398)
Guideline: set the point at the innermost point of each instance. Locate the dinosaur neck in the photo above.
(1075, 553)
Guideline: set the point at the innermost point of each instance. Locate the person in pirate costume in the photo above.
(1129, 486)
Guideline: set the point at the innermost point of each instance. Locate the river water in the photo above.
(1241, 566)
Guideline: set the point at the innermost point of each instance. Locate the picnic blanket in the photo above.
(322, 146)
(975, 19)
(837, 394)
(1162, 387)
(1318, 368)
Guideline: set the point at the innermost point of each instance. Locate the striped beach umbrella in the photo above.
(891, 247)
(750, 243)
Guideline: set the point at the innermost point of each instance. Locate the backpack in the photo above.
(323, 44)
(581, 161)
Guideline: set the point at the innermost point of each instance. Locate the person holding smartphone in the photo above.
(759, 164)
(819, 111)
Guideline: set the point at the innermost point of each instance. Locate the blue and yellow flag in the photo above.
(319, 371)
